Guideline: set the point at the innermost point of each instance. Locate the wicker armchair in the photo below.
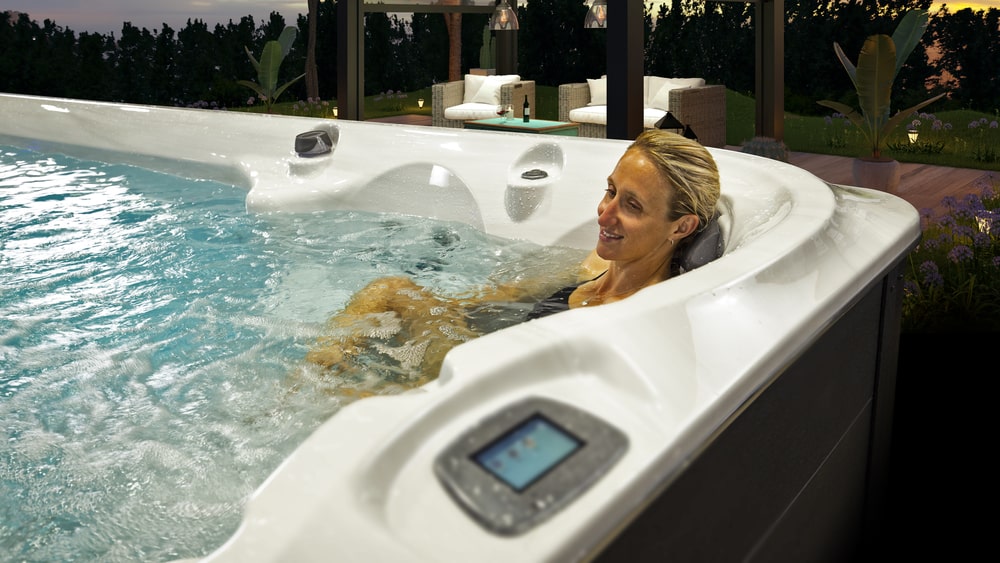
(446, 95)
(701, 107)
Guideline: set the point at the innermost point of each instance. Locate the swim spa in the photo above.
(747, 393)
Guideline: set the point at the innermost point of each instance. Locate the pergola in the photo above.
(624, 59)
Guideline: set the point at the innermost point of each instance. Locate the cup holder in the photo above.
(530, 178)
(313, 150)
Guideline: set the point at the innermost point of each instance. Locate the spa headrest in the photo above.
(705, 247)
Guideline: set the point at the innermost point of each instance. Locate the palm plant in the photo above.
(879, 62)
(267, 68)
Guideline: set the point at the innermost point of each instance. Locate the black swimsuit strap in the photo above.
(558, 301)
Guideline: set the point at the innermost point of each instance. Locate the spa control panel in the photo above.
(527, 461)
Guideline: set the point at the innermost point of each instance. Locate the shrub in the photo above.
(952, 282)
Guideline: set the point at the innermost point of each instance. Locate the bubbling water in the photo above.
(148, 326)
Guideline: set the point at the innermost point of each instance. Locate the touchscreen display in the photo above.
(528, 451)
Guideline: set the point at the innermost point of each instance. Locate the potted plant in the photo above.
(268, 66)
(487, 55)
(879, 62)
(766, 147)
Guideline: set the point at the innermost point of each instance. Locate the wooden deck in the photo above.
(922, 185)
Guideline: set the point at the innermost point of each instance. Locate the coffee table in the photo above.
(516, 125)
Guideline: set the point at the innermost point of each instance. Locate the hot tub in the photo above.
(746, 405)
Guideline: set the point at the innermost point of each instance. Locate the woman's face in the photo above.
(633, 213)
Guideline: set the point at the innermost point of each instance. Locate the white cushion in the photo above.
(661, 98)
(599, 115)
(650, 116)
(692, 82)
(647, 90)
(486, 89)
(650, 86)
(589, 114)
(465, 112)
(598, 91)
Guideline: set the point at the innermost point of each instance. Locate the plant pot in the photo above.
(877, 173)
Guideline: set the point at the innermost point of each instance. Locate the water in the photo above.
(148, 326)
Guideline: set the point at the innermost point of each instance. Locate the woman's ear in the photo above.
(685, 226)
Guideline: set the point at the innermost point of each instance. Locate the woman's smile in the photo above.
(608, 236)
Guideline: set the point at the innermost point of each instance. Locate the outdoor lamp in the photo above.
(420, 102)
(504, 18)
(597, 16)
(668, 121)
(912, 134)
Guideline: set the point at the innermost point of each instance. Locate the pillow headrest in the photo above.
(706, 245)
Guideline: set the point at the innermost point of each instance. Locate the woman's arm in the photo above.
(422, 316)
(425, 315)
(537, 288)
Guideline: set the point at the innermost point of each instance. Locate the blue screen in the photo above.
(527, 452)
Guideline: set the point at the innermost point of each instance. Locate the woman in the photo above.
(662, 190)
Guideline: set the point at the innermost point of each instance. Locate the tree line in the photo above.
(406, 52)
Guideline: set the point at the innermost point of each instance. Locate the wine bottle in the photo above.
(527, 110)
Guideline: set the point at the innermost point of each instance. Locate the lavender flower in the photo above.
(932, 277)
(963, 231)
(954, 272)
(960, 253)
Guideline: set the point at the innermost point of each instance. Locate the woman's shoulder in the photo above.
(592, 266)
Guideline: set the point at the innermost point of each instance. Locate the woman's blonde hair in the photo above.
(689, 168)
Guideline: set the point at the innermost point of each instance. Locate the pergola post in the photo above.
(625, 69)
(507, 48)
(769, 74)
(350, 60)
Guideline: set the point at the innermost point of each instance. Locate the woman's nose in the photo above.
(606, 212)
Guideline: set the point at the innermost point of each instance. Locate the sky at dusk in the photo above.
(106, 16)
